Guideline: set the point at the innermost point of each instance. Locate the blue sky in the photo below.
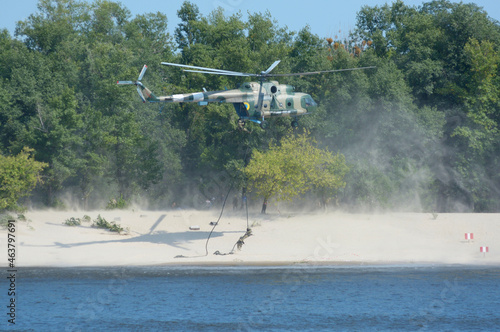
(325, 17)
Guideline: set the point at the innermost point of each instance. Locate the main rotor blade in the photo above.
(125, 82)
(142, 72)
(217, 73)
(211, 70)
(321, 71)
(271, 67)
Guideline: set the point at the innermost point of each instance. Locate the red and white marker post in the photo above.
(469, 236)
(484, 250)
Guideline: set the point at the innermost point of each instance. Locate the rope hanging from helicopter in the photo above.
(248, 232)
(238, 243)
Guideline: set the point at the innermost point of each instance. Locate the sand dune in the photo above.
(161, 237)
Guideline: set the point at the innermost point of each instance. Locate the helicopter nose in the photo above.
(309, 104)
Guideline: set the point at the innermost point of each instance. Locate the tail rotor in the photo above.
(137, 83)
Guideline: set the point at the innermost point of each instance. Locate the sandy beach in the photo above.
(165, 237)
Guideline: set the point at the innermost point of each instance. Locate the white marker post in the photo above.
(469, 237)
(484, 250)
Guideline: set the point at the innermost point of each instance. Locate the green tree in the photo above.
(185, 33)
(482, 100)
(294, 167)
(267, 41)
(448, 54)
(477, 137)
(56, 21)
(18, 176)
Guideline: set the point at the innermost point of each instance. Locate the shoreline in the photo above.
(335, 239)
(270, 265)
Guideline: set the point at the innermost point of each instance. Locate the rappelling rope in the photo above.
(217, 222)
(238, 243)
(215, 225)
(248, 232)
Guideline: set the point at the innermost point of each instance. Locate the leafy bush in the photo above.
(76, 221)
(100, 222)
(18, 176)
(73, 221)
(119, 203)
(4, 219)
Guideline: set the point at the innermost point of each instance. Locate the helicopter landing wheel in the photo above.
(263, 124)
(294, 124)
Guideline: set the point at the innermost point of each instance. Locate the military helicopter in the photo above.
(253, 101)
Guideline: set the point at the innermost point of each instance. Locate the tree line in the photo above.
(419, 132)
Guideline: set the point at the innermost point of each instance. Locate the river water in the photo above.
(298, 298)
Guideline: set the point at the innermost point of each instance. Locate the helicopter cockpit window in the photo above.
(310, 102)
(307, 101)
